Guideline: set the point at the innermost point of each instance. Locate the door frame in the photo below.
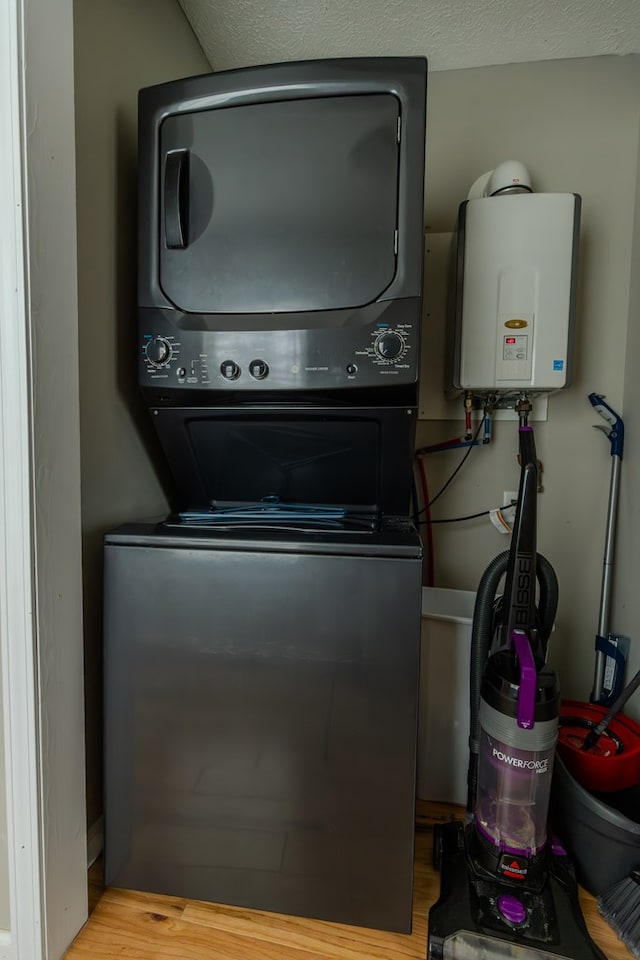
(17, 633)
(40, 542)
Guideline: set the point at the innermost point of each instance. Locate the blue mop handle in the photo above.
(615, 435)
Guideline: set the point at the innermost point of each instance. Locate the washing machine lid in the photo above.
(356, 458)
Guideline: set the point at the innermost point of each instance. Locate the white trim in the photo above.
(48, 152)
(17, 635)
(7, 946)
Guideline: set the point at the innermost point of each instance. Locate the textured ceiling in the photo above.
(451, 33)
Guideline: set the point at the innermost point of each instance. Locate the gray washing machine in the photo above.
(261, 704)
(261, 680)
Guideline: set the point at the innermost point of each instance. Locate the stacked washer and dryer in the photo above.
(262, 642)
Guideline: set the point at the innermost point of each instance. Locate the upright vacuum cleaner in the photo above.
(507, 889)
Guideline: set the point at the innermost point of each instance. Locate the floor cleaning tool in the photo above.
(610, 761)
(611, 649)
(620, 907)
(595, 800)
(507, 889)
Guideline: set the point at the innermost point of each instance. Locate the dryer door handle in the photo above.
(176, 199)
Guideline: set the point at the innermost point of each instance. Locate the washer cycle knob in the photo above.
(158, 351)
(389, 345)
(258, 369)
(229, 369)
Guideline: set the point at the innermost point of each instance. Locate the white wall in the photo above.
(626, 593)
(120, 46)
(575, 123)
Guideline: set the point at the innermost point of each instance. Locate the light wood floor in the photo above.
(139, 926)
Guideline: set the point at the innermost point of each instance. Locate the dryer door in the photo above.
(279, 207)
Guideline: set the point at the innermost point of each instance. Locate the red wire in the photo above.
(429, 528)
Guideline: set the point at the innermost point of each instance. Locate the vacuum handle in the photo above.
(528, 680)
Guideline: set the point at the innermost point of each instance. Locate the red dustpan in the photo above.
(613, 762)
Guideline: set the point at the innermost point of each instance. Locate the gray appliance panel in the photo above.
(377, 348)
(260, 715)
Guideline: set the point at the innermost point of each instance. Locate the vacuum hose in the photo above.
(482, 632)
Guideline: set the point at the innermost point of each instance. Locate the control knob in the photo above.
(158, 351)
(258, 369)
(389, 345)
(229, 369)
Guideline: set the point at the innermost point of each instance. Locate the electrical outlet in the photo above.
(509, 497)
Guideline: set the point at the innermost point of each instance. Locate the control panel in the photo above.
(514, 349)
(363, 355)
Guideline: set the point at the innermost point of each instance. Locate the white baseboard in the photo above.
(7, 946)
(95, 841)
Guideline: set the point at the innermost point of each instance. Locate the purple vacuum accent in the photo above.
(528, 680)
(522, 429)
(557, 848)
(512, 909)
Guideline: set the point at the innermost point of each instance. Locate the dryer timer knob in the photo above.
(389, 345)
(158, 351)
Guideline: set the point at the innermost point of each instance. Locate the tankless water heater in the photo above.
(515, 293)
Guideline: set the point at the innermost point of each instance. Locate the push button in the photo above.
(512, 909)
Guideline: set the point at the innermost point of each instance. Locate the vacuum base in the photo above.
(478, 915)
